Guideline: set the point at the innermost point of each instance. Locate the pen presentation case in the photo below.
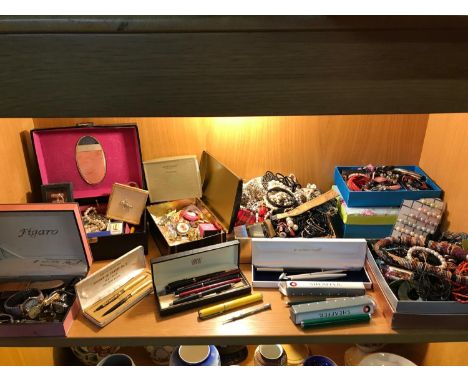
(196, 263)
(104, 289)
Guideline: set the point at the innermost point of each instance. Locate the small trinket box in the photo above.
(126, 203)
(114, 289)
(186, 196)
(198, 277)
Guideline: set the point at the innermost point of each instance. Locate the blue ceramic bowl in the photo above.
(195, 356)
(318, 360)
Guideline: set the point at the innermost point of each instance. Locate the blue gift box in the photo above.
(383, 198)
(360, 231)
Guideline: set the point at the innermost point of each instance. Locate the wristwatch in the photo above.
(25, 304)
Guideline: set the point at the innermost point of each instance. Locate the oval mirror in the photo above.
(90, 160)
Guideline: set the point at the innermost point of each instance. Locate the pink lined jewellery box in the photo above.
(94, 158)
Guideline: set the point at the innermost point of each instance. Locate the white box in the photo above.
(310, 254)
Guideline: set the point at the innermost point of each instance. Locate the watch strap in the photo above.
(14, 304)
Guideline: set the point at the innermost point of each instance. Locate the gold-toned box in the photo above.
(211, 188)
(127, 203)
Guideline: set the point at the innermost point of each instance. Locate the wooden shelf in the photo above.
(142, 325)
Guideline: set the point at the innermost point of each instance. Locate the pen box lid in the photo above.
(111, 277)
(309, 253)
(42, 241)
(56, 148)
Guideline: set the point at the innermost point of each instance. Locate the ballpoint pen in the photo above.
(127, 297)
(209, 287)
(196, 296)
(322, 275)
(121, 292)
(247, 313)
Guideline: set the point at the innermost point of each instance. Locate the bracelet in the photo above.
(281, 202)
(442, 247)
(409, 255)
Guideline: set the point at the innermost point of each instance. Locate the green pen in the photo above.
(339, 320)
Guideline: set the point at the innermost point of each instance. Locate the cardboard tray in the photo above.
(446, 308)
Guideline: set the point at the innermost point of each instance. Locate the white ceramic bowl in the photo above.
(385, 359)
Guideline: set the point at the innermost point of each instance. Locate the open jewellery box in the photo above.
(409, 314)
(175, 183)
(103, 155)
(383, 198)
(115, 288)
(41, 243)
(200, 263)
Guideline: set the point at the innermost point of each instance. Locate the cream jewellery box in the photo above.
(178, 186)
(43, 247)
(114, 289)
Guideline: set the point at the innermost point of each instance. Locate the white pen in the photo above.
(314, 276)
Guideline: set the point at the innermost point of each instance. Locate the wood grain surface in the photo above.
(233, 72)
(308, 146)
(445, 157)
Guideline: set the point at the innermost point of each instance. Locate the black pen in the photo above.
(201, 294)
(127, 297)
(182, 283)
(212, 280)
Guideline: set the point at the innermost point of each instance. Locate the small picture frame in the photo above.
(57, 193)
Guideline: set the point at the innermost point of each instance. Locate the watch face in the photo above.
(32, 307)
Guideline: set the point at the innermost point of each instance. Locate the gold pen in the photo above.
(221, 308)
(121, 292)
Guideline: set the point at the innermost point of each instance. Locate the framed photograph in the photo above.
(57, 193)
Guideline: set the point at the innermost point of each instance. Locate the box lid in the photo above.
(309, 253)
(210, 259)
(222, 190)
(173, 178)
(42, 241)
(180, 178)
(111, 277)
(56, 150)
